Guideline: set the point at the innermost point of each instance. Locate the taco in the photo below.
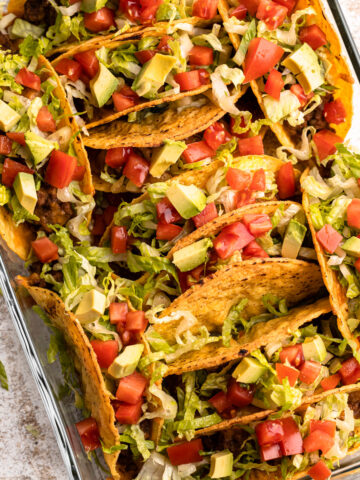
(311, 441)
(55, 27)
(295, 102)
(39, 141)
(331, 203)
(126, 76)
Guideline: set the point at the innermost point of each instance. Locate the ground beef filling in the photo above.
(354, 403)
(39, 11)
(50, 210)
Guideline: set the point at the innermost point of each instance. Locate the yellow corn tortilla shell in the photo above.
(211, 300)
(339, 73)
(215, 226)
(17, 238)
(264, 333)
(96, 398)
(336, 291)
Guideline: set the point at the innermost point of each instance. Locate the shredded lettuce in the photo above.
(245, 42)
(231, 321)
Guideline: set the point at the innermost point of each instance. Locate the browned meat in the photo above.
(39, 11)
(50, 210)
(228, 439)
(354, 403)
(35, 280)
(7, 44)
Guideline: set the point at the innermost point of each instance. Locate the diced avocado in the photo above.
(24, 186)
(165, 156)
(264, 403)
(192, 256)
(90, 6)
(221, 464)
(249, 370)
(187, 199)
(352, 246)
(335, 365)
(21, 28)
(293, 239)
(8, 117)
(103, 85)
(91, 307)
(153, 75)
(279, 109)
(147, 43)
(125, 364)
(39, 147)
(304, 64)
(353, 323)
(314, 349)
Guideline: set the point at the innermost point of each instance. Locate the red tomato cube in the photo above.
(117, 157)
(79, 173)
(70, 68)
(270, 452)
(274, 84)
(197, 151)
(201, 56)
(251, 6)
(166, 212)
(45, 121)
(269, 432)
(335, 112)
(45, 250)
(216, 135)
(205, 8)
(136, 321)
(18, 137)
(271, 13)
(353, 213)
(105, 351)
(251, 146)
(238, 395)
(144, 55)
(289, 4)
(253, 250)
(187, 452)
(136, 169)
(11, 169)
(208, 214)
(238, 179)
(131, 388)
(327, 426)
(350, 371)
(220, 402)
(284, 371)
(329, 238)
(167, 231)
(331, 382)
(118, 312)
(325, 142)
(239, 12)
(318, 440)
(5, 145)
(292, 442)
(60, 169)
(258, 182)
(89, 62)
(309, 371)
(100, 20)
(118, 239)
(313, 35)
(28, 79)
(261, 57)
(188, 80)
(89, 434)
(285, 180)
(128, 414)
(293, 354)
(231, 239)
(319, 471)
(257, 224)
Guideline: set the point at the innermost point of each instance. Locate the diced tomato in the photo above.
(319, 471)
(231, 239)
(105, 351)
(60, 169)
(242, 125)
(45, 121)
(127, 338)
(136, 169)
(298, 90)
(188, 80)
(313, 35)
(269, 432)
(142, 11)
(205, 8)
(274, 84)
(128, 414)
(289, 4)
(334, 112)
(196, 273)
(357, 264)
(208, 214)
(318, 440)
(309, 371)
(245, 197)
(45, 250)
(331, 382)
(325, 142)
(163, 45)
(118, 239)
(327, 426)
(293, 354)
(136, 321)
(353, 213)
(109, 213)
(99, 225)
(239, 12)
(251, 6)
(238, 395)
(350, 371)
(167, 231)
(201, 56)
(292, 442)
(204, 76)
(18, 137)
(144, 55)
(166, 212)
(197, 151)
(70, 68)
(238, 179)
(125, 98)
(118, 312)
(253, 250)
(261, 57)
(89, 62)
(328, 238)
(117, 157)
(258, 182)
(284, 371)
(216, 135)
(257, 224)
(89, 434)
(131, 388)
(187, 452)
(28, 79)
(79, 173)
(100, 20)
(285, 180)
(220, 402)
(251, 146)
(271, 13)
(270, 452)
(5, 145)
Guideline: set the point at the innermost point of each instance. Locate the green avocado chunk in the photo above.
(187, 199)
(125, 364)
(8, 117)
(165, 156)
(39, 147)
(103, 85)
(293, 239)
(153, 75)
(249, 370)
(24, 186)
(221, 464)
(90, 6)
(352, 246)
(192, 256)
(314, 349)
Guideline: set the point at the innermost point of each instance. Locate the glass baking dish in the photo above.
(34, 335)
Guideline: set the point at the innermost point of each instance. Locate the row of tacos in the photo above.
(204, 280)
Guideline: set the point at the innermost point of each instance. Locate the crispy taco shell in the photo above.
(339, 73)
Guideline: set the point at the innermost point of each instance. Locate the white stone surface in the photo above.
(28, 450)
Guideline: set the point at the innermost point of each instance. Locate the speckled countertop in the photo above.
(28, 450)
